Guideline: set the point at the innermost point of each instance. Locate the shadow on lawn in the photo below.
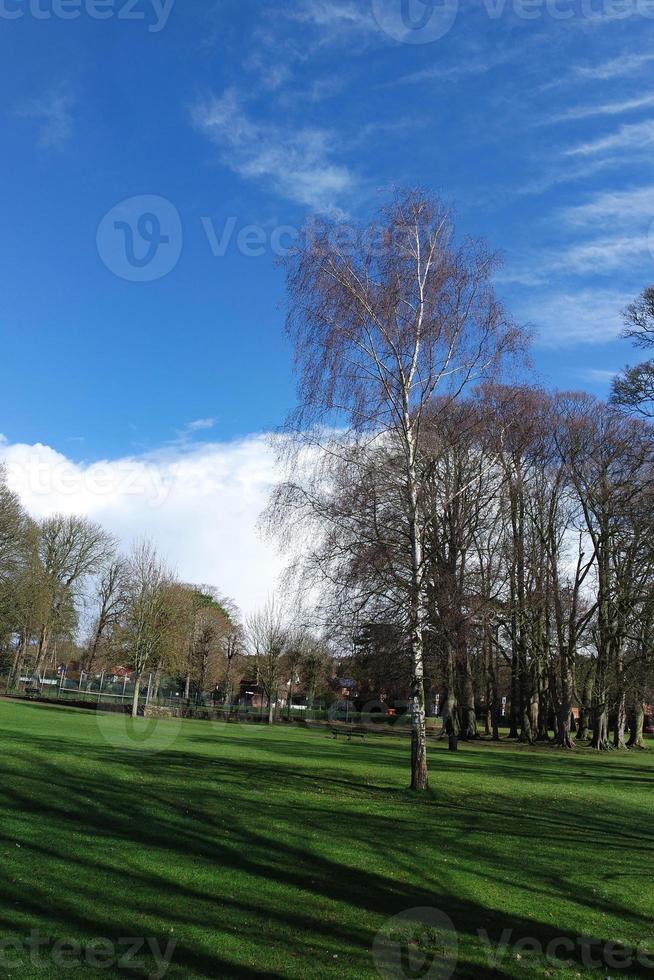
(239, 853)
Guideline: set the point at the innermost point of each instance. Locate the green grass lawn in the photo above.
(281, 853)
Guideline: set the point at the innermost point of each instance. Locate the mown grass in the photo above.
(281, 853)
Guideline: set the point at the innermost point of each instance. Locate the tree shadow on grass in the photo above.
(185, 842)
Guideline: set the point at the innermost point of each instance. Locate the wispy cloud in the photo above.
(296, 161)
(334, 17)
(184, 436)
(602, 255)
(603, 109)
(598, 256)
(587, 316)
(601, 376)
(198, 425)
(568, 173)
(631, 136)
(618, 208)
(625, 64)
(54, 113)
(272, 74)
(469, 63)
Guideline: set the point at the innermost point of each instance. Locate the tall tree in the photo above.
(149, 612)
(71, 549)
(267, 638)
(610, 462)
(111, 595)
(382, 322)
(634, 388)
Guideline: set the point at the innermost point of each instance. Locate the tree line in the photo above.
(462, 530)
(461, 518)
(67, 594)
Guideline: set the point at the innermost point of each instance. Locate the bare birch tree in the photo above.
(383, 320)
(148, 612)
(267, 638)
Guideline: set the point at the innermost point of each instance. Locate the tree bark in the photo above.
(621, 707)
(135, 699)
(450, 706)
(467, 692)
(583, 728)
(419, 777)
(600, 739)
(564, 711)
(636, 725)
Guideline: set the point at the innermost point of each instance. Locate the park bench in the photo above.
(349, 732)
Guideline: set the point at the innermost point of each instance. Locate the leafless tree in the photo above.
(381, 325)
(71, 549)
(610, 463)
(111, 599)
(148, 612)
(634, 387)
(233, 649)
(267, 638)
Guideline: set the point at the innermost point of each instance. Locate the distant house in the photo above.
(251, 695)
(345, 687)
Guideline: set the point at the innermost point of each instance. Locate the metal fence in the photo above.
(105, 689)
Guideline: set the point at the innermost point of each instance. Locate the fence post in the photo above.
(100, 691)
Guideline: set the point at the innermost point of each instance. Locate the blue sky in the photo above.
(539, 128)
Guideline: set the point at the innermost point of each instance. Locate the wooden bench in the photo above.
(351, 733)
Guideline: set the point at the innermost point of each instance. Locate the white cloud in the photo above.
(626, 64)
(199, 506)
(603, 255)
(200, 424)
(295, 160)
(589, 316)
(602, 109)
(601, 376)
(568, 174)
(470, 62)
(334, 17)
(628, 137)
(54, 112)
(633, 205)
